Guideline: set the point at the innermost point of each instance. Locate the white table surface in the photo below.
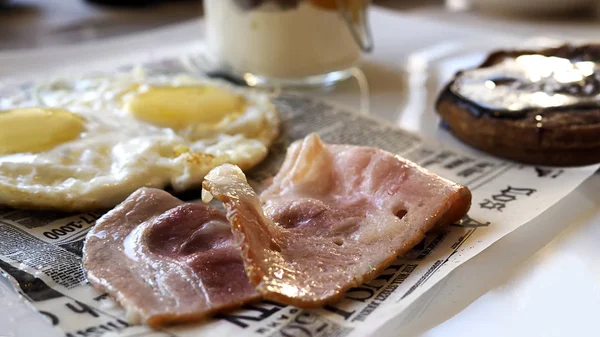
(541, 280)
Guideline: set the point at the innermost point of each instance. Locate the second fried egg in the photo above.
(87, 143)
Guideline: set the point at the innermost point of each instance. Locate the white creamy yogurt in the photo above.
(279, 43)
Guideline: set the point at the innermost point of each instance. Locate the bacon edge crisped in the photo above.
(334, 217)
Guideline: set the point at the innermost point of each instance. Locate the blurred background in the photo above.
(40, 23)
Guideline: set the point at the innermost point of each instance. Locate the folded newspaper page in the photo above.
(40, 252)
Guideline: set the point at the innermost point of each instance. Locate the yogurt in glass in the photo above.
(283, 42)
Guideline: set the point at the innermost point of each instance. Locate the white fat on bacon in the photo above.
(334, 217)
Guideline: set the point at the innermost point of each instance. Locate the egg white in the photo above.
(117, 153)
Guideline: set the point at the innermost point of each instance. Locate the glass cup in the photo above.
(286, 42)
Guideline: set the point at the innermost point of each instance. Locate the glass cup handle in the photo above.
(357, 23)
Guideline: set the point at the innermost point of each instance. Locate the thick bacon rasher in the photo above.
(334, 217)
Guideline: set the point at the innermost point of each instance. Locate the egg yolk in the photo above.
(37, 129)
(179, 107)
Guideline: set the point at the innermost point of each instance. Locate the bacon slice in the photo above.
(334, 217)
(166, 261)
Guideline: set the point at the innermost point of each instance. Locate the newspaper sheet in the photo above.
(40, 252)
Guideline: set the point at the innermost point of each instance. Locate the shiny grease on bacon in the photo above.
(334, 216)
(166, 261)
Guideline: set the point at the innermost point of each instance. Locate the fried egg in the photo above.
(87, 143)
